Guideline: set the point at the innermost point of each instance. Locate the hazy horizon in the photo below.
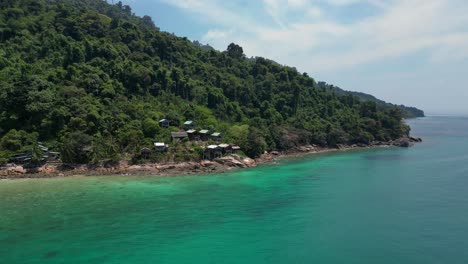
(405, 52)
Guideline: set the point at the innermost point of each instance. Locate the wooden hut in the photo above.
(164, 123)
(205, 134)
(193, 134)
(226, 148)
(177, 136)
(235, 149)
(160, 147)
(213, 152)
(188, 125)
(216, 136)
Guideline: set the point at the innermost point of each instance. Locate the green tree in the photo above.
(255, 144)
(235, 51)
(76, 148)
(37, 154)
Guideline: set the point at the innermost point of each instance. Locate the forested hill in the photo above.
(92, 80)
(408, 112)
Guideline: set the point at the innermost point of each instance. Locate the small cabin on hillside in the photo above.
(21, 159)
(213, 152)
(145, 153)
(205, 134)
(226, 148)
(177, 136)
(164, 123)
(160, 147)
(193, 134)
(188, 125)
(216, 136)
(235, 149)
(47, 156)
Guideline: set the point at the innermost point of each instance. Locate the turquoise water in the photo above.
(375, 206)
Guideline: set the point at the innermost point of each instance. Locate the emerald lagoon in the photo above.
(389, 205)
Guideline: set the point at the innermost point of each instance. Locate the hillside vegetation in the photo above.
(91, 80)
(408, 111)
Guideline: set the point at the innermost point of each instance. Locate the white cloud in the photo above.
(343, 2)
(275, 9)
(216, 34)
(319, 41)
(314, 12)
(297, 3)
(379, 3)
(218, 38)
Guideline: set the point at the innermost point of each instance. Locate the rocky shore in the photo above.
(224, 164)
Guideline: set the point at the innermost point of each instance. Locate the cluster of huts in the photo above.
(27, 156)
(217, 151)
(190, 133)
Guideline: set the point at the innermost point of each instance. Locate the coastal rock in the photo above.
(16, 170)
(207, 163)
(47, 169)
(249, 162)
(403, 142)
(416, 140)
(304, 149)
(234, 161)
(231, 162)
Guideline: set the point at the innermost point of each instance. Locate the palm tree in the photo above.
(37, 153)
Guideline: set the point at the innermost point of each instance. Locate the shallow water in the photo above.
(374, 206)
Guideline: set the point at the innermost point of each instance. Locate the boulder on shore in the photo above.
(249, 162)
(403, 142)
(230, 161)
(16, 170)
(235, 161)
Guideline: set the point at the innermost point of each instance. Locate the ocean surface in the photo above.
(374, 206)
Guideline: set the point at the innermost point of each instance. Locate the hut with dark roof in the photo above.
(177, 136)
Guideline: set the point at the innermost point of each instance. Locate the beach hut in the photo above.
(160, 146)
(213, 152)
(164, 123)
(226, 148)
(20, 159)
(188, 125)
(235, 149)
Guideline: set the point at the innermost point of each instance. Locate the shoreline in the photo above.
(204, 167)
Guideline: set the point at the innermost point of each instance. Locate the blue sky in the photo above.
(412, 52)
